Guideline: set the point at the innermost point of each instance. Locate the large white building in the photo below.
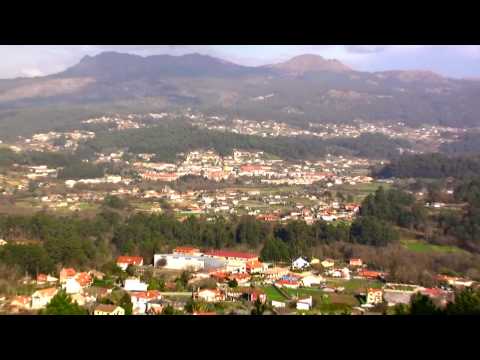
(179, 262)
(134, 284)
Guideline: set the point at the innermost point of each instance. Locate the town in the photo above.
(48, 173)
(211, 282)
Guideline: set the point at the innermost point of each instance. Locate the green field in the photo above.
(423, 247)
(360, 191)
(354, 285)
(303, 292)
(273, 294)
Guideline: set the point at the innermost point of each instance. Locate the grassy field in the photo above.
(360, 191)
(423, 247)
(353, 285)
(273, 294)
(303, 292)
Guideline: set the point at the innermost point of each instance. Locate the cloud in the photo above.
(32, 72)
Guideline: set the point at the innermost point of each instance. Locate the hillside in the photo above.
(310, 63)
(319, 90)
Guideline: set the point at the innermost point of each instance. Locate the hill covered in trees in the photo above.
(169, 139)
(313, 86)
(466, 145)
(433, 165)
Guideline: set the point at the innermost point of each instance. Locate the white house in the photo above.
(141, 299)
(82, 299)
(236, 266)
(72, 286)
(346, 273)
(300, 263)
(124, 261)
(328, 263)
(311, 280)
(76, 284)
(305, 304)
(134, 284)
(209, 295)
(41, 298)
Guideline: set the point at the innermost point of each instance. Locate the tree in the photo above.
(193, 306)
(370, 230)
(233, 283)
(115, 202)
(156, 284)
(126, 303)
(274, 250)
(423, 305)
(401, 309)
(130, 270)
(259, 308)
(61, 304)
(467, 302)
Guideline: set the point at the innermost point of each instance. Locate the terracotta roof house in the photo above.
(67, 273)
(41, 298)
(104, 309)
(124, 261)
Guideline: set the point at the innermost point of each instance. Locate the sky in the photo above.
(458, 61)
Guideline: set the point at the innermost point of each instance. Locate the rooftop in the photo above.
(231, 254)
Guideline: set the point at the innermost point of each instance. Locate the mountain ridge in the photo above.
(322, 90)
(302, 64)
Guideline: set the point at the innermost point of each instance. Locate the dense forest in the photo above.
(71, 166)
(467, 145)
(169, 139)
(33, 158)
(434, 165)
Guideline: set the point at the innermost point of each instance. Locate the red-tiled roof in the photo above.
(230, 254)
(288, 282)
(131, 260)
(370, 273)
(254, 265)
(69, 272)
(186, 249)
(433, 292)
(83, 278)
(151, 294)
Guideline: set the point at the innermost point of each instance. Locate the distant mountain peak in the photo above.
(311, 63)
(414, 75)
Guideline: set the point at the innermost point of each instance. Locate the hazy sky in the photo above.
(449, 60)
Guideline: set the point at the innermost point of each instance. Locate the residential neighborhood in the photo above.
(229, 283)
